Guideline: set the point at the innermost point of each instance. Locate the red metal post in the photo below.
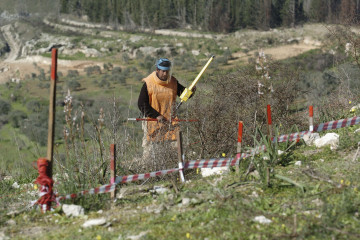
(113, 168)
(239, 142)
(269, 120)
(311, 118)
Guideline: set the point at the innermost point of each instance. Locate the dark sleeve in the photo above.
(180, 88)
(144, 104)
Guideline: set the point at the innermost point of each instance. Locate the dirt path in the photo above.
(13, 43)
(276, 53)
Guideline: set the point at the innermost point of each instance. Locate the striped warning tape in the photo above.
(136, 177)
(291, 137)
(337, 124)
(210, 163)
(347, 122)
(214, 162)
(97, 190)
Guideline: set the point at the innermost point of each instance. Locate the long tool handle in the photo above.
(201, 72)
(155, 120)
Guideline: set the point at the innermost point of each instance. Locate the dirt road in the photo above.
(276, 53)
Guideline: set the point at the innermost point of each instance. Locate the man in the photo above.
(157, 100)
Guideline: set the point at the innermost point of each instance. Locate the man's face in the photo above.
(162, 74)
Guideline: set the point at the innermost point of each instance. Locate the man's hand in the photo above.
(193, 90)
(161, 119)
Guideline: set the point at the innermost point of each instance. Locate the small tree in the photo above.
(73, 85)
(5, 107)
(16, 117)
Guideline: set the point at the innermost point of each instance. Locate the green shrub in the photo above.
(73, 85)
(104, 83)
(16, 117)
(72, 73)
(93, 70)
(5, 107)
(116, 70)
(34, 106)
(108, 66)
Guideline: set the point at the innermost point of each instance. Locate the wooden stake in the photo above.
(51, 123)
(180, 155)
(113, 168)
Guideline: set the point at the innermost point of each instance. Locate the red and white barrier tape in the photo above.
(337, 124)
(136, 177)
(98, 190)
(132, 178)
(214, 162)
(347, 122)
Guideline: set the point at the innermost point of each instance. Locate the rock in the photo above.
(195, 52)
(357, 130)
(3, 236)
(135, 38)
(94, 222)
(91, 52)
(317, 202)
(137, 237)
(310, 138)
(310, 41)
(298, 163)
(8, 178)
(160, 190)
(262, 220)
(16, 185)
(254, 194)
(331, 139)
(255, 174)
(294, 40)
(147, 50)
(280, 152)
(13, 213)
(72, 210)
(11, 222)
(157, 209)
(354, 108)
(185, 201)
(205, 172)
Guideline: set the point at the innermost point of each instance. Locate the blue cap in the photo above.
(163, 64)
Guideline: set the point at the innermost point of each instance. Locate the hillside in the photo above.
(309, 193)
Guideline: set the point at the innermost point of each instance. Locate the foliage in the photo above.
(232, 97)
(73, 84)
(205, 14)
(16, 118)
(92, 70)
(5, 107)
(72, 73)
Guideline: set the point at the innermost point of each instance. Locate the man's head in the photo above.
(163, 66)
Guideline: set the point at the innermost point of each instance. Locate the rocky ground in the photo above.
(24, 57)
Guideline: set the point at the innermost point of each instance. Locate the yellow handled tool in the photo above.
(188, 91)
